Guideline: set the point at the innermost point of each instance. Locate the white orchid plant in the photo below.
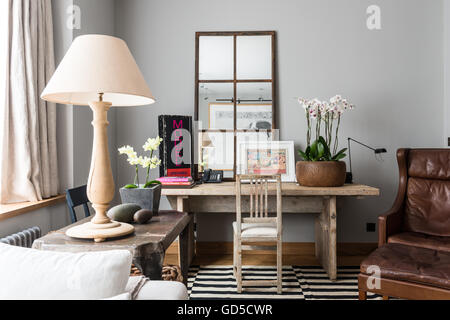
(146, 162)
(326, 116)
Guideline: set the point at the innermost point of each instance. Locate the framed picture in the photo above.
(270, 157)
(217, 151)
(249, 116)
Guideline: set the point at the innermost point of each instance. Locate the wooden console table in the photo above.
(220, 198)
(148, 243)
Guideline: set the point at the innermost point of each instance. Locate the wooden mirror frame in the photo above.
(234, 81)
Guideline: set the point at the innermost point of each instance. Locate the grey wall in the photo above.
(446, 39)
(394, 76)
(63, 37)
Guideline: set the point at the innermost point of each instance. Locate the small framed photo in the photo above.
(269, 157)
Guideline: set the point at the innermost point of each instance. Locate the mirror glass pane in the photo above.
(215, 58)
(217, 152)
(254, 57)
(254, 105)
(215, 102)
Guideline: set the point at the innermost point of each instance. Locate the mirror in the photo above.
(254, 57)
(254, 106)
(215, 58)
(235, 94)
(215, 105)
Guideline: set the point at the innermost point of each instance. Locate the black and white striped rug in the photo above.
(299, 282)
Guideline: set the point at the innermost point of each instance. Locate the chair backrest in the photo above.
(427, 198)
(258, 188)
(76, 197)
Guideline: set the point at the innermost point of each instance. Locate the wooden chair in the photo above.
(258, 227)
(76, 197)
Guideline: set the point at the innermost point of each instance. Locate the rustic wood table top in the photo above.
(287, 189)
(156, 235)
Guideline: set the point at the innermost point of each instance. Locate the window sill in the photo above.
(15, 209)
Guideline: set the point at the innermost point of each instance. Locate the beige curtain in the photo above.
(28, 168)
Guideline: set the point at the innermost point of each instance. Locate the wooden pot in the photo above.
(320, 173)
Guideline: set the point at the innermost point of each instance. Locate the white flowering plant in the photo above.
(146, 162)
(326, 117)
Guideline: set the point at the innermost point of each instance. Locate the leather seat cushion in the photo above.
(421, 240)
(256, 229)
(427, 206)
(411, 264)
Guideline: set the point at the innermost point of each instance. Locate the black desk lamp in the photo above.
(349, 175)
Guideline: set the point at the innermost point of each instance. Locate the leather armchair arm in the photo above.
(391, 222)
(388, 224)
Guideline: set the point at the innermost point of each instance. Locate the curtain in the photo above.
(28, 157)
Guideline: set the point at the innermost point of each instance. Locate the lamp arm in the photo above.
(377, 151)
(365, 145)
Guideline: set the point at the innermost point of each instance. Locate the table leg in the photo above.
(183, 253)
(151, 266)
(182, 207)
(325, 234)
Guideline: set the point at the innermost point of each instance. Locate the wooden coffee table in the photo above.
(148, 243)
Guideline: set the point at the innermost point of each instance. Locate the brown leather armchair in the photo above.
(420, 215)
(413, 254)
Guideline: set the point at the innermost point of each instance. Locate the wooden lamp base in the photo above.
(100, 186)
(100, 232)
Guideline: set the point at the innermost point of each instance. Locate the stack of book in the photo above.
(175, 149)
(177, 182)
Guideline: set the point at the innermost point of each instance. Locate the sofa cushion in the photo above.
(412, 264)
(421, 240)
(122, 296)
(34, 274)
(163, 290)
(427, 206)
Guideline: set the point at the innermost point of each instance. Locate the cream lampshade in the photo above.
(99, 71)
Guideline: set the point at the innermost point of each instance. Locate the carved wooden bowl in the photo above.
(320, 173)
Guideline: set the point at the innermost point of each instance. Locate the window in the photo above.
(28, 169)
(4, 10)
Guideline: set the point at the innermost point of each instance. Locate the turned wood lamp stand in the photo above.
(100, 186)
(94, 69)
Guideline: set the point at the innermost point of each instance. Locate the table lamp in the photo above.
(99, 71)
(349, 175)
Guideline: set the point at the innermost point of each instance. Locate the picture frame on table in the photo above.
(267, 157)
(216, 149)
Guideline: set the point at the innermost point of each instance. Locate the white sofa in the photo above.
(47, 275)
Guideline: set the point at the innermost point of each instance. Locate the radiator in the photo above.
(24, 238)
